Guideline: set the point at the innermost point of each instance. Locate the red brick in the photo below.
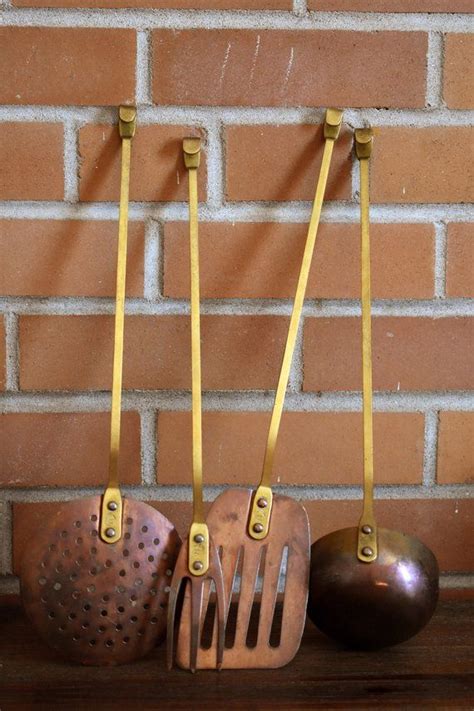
(31, 156)
(458, 74)
(174, 4)
(428, 520)
(65, 449)
(402, 261)
(67, 258)
(460, 260)
(391, 5)
(2, 354)
(75, 352)
(157, 170)
(313, 448)
(56, 65)
(284, 163)
(272, 68)
(456, 448)
(408, 353)
(423, 165)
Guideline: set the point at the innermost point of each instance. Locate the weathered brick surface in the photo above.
(456, 448)
(251, 152)
(262, 260)
(460, 260)
(270, 68)
(409, 353)
(31, 156)
(238, 353)
(65, 449)
(67, 258)
(313, 448)
(458, 74)
(431, 165)
(157, 169)
(56, 65)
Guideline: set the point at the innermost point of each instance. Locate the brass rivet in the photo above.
(366, 529)
(262, 503)
(112, 506)
(199, 538)
(110, 532)
(197, 565)
(258, 528)
(367, 551)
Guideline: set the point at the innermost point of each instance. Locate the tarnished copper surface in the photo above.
(243, 558)
(372, 605)
(99, 603)
(188, 622)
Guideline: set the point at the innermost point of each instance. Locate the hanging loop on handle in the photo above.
(112, 505)
(367, 532)
(198, 550)
(260, 512)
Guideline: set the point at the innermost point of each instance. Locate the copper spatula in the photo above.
(264, 538)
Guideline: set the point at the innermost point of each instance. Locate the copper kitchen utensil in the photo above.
(94, 579)
(198, 563)
(370, 587)
(264, 537)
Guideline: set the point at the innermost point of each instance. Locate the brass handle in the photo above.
(367, 532)
(198, 541)
(111, 510)
(259, 520)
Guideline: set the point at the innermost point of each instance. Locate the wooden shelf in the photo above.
(433, 670)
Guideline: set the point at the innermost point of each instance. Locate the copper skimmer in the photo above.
(198, 565)
(264, 538)
(95, 578)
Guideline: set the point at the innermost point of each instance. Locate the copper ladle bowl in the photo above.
(372, 605)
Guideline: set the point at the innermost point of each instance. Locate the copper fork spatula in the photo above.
(198, 565)
(263, 538)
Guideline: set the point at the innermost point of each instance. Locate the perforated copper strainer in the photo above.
(95, 578)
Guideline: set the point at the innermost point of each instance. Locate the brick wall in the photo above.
(252, 77)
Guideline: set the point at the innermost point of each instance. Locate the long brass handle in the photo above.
(262, 502)
(111, 511)
(367, 534)
(198, 550)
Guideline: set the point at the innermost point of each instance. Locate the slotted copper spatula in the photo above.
(198, 564)
(94, 578)
(264, 538)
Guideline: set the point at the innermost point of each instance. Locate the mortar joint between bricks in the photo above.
(434, 70)
(175, 19)
(12, 349)
(430, 448)
(144, 69)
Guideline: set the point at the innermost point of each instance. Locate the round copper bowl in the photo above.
(372, 605)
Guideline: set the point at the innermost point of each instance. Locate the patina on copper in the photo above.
(257, 573)
(100, 603)
(372, 605)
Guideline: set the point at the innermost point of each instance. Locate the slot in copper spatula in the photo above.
(264, 538)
